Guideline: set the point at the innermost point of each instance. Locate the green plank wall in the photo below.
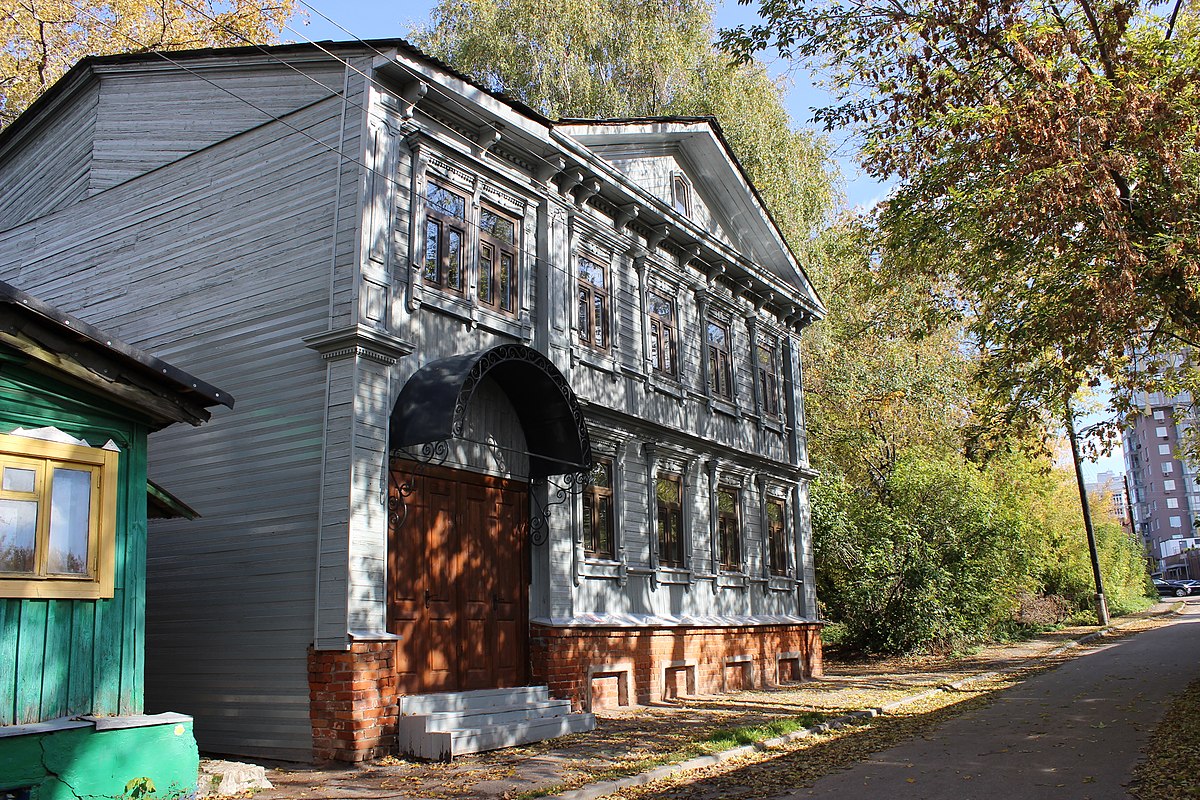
(66, 657)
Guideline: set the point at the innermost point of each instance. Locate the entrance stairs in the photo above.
(441, 726)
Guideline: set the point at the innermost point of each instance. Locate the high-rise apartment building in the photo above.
(1165, 489)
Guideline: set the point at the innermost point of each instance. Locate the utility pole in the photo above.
(1101, 603)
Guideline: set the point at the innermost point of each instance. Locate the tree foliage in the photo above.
(628, 58)
(1048, 164)
(946, 552)
(877, 383)
(41, 39)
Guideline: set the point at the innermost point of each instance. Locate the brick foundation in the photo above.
(352, 701)
(353, 693)
(597, 667)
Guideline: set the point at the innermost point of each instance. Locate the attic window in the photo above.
(57, 519)
(681, 195)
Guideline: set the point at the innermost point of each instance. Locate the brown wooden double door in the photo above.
(459, 582)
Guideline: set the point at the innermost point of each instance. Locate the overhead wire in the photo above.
(334, 92)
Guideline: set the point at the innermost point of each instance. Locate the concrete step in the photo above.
(481, 717)
(516, 696)
(494, 737)
(441, 726)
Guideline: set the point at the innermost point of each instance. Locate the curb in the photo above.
(601, 789)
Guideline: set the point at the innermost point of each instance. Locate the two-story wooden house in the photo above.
(519, 399)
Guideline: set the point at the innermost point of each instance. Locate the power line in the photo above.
(528, 253)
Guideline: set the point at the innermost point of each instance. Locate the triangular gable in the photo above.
(651, 151)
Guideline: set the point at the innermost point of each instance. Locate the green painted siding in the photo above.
(78, 656)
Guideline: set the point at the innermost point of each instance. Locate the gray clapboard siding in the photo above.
(255, 475)
(51, 171)
(147, 118)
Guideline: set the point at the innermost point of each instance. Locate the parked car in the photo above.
(1176, 588)
(1193, 585)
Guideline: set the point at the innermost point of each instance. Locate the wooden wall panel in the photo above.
(69, 657)
(47, 168)
(221, 268)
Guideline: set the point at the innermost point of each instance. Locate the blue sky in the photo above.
(376, 19)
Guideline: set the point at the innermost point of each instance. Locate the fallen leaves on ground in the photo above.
(1170, 770)
(628, 741)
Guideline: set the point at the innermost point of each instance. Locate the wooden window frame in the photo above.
(593, 498)
(663, 332)
(23, 452)
(506, 303)
(669, 531)
(720, 361)
(767, 377)
(729, 530)
(588, 296)
(681, 194)
(777, 549)
(445, 223)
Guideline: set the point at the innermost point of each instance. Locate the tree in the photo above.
(877, 383)
(630, 58)
(41, 39)
(1048, 164)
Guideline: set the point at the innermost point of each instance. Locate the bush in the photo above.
(947, 553)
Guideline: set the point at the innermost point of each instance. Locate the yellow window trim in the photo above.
(25, 453)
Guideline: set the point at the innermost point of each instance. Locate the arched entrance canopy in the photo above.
(433, 403)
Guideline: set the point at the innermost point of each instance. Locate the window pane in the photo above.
(591, 272)
(19, 480)
(433, 236)
(600, 475)
(70, 513)
(582, 323)
(716, 335)
(660, 307)
(668, 490)
(726, 500)
(18, 534)
(506, 287)
(604, 529)
(485, 273)
(445, 202)
(497, 226)
(454, 255)
(601, 323)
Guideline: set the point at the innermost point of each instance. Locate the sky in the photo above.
(377, 19)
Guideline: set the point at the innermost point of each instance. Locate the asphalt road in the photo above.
(1073, 733)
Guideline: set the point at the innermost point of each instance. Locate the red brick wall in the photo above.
(563, 657)
(352, 701)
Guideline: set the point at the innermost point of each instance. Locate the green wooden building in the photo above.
(76, 407)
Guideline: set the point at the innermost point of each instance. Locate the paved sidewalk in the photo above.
(634, 740)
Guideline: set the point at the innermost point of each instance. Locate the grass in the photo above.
(716, 742)
(729, 738)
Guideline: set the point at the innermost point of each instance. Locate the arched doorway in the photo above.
(458, 571)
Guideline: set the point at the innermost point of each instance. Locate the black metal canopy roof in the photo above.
(48, 336)
(433, 403)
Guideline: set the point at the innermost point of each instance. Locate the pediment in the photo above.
(652, 152)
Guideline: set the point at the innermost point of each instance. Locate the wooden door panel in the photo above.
(476, 586)
(459, 584)
(442, 568)
(406, 602)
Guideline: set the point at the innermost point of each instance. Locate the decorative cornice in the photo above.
(360, 341)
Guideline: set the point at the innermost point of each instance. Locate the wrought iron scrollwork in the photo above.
(557, 494)
(422, 458)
